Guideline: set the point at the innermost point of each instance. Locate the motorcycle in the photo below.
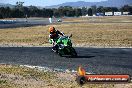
(64, 46)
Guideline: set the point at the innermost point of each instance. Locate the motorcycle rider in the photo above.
(54, 35)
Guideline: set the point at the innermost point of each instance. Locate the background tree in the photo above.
(78, 12)
(84, 11)
(100, 9)
(94, 9)
(90, 13)
(126, 8)
(61, 11)
(2, 12)
(56, 13)
(20, 11)
(19, 4)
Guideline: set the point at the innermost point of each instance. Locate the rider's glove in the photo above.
(50, 41)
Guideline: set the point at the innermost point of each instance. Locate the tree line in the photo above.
(20, 11)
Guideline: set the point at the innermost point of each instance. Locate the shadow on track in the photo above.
(79, 56)
(84, 56)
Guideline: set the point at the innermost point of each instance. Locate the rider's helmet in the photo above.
(52, 29)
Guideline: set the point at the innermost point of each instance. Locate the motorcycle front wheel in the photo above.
(73, 52)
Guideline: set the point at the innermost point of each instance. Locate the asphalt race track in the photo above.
(21, 22)
(94, 60)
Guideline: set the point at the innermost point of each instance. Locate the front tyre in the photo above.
(60, 52)
(73, 52)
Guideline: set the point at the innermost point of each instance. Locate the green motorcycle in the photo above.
(64, 46)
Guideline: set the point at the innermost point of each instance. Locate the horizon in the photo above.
(44, 3)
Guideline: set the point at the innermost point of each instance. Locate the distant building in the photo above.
(99, 14)
(125, 13)
(108, 13)
(117, 14)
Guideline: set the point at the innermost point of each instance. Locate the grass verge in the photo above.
(14, 76)
(84, 34)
